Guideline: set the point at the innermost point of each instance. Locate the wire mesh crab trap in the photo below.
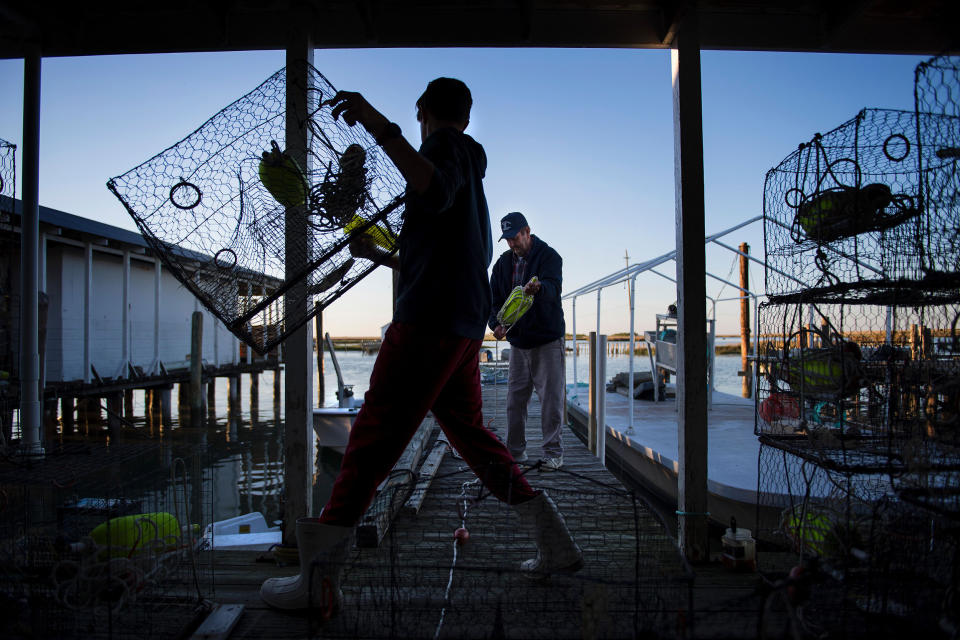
(862, 387)
(937, 99)
(843, 210)
(8, 172)
(95, 547)
(869, 564)
(218, 205)
(426, 581)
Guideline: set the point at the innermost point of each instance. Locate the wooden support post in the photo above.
(128, 404)
(746, 388)
(212, 400)
(691, 290)
(88, 409)
(234, 394)
(114, 408)
(254, 395)
(166, 403)
(196, 368)
(298, 437)
(67, 415)
(50, 423)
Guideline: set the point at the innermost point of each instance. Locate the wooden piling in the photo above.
(114, 407)
(67, 409)
(128, 404)
(747, 373)
(196, 368)
(50, 423)
(254, 395)
(212, 401)
(233, 393)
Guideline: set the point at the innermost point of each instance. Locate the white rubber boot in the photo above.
(322, 549)
(556, 550)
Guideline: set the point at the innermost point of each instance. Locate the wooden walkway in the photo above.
(420, 584)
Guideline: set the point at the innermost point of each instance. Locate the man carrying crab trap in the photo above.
(535, 330)
(429, 359)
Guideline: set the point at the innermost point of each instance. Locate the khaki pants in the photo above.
(541, 368)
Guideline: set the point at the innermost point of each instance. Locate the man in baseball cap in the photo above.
(537, 339)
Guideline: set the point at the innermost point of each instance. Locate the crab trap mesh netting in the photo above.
(844, 213)
(104, 542)
(863, 387)
(937, 96)
(877, 565)
(417, 581)
(263, 242)
(8, 174)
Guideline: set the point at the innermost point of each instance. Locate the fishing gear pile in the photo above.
(245, 223)
(858, 385)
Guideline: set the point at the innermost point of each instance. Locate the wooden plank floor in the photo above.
(419, 584)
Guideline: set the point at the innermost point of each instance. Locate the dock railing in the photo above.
(629, 275)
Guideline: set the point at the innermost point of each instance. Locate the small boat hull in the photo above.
(332, 426)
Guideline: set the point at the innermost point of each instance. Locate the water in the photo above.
(245, 447)
(356, 368)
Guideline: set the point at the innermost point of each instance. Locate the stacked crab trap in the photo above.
(858, 398)
(261, 238)
(104, 543)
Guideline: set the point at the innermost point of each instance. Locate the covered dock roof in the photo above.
(863, 26)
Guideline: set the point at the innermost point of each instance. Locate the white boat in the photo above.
(332, 424)
(244, 532)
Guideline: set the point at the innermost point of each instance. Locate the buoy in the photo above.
(136, 534)
(461, 535)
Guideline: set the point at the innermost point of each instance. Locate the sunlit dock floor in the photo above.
(650, 448)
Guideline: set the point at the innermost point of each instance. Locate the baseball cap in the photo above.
(511, 224)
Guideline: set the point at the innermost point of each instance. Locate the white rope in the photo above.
(456, 543)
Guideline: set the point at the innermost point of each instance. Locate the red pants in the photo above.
(416, 371)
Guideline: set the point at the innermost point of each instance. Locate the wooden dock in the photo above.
(420, 584)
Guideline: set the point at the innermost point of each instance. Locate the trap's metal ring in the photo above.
(794, 193)
(886, 145)
(831, 172)
(223, 265)
(2, 184)
(183, 184)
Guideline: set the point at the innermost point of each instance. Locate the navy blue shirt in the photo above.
(445, 243)
(544, 322)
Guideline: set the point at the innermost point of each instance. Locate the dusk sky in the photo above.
(579, 140)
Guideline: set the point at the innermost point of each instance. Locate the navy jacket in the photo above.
(543, 323)
(445, 243)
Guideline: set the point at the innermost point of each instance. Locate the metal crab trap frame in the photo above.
(858, 397)
(94, 546)
(215, 207)
(420, 581)
(8, 171)
(846, 215)
(937, 99)
(868, 563)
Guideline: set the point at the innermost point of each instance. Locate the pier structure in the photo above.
(113, 321)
